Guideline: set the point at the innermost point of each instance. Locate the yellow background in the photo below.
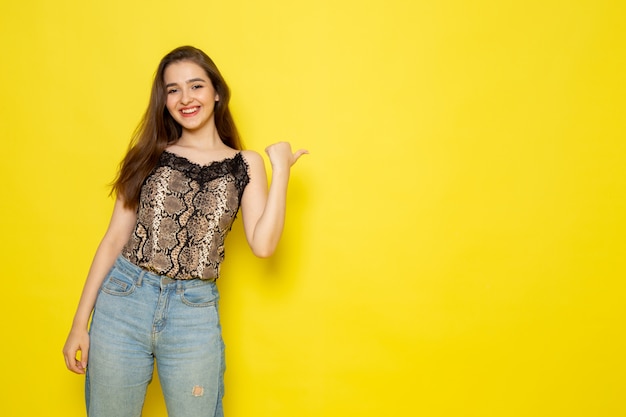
(455, 241)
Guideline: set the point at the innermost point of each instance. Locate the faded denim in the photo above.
(141, 318)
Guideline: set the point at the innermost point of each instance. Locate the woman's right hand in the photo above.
(77, 341)
(120, 228)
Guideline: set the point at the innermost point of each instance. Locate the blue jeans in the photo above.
(141, 317)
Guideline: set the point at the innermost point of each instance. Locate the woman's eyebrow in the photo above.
(193, 80)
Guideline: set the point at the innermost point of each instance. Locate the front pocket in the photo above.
(200, 296)
(118, 284)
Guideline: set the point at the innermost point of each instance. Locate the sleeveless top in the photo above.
(185, 212)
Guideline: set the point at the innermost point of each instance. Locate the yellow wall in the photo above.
(455, 241)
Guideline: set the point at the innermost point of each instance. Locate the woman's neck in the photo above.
(200, 140)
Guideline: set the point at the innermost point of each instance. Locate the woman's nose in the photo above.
(186, 97)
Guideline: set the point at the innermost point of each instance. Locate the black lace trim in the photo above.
(235, 166)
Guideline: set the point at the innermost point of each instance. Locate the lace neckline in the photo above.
(202, 166)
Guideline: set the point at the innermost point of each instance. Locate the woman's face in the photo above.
(191, 96)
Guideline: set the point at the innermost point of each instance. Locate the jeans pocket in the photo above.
(199, 296)
(118, 284)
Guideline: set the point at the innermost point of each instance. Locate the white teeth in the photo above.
(187, 111)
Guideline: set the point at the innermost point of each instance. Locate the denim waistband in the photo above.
(141, 275)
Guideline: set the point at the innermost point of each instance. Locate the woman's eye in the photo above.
(171, 91)
(196, 86)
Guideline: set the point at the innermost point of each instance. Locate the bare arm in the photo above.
(116, 236)
(263, 211)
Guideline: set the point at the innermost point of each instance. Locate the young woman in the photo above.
(151, 286)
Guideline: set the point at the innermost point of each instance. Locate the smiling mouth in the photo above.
(190, 111)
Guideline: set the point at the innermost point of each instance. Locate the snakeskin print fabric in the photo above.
(185, 212)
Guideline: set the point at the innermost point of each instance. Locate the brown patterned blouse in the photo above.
(185, 212)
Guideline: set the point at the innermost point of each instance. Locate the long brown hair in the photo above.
(158, 129)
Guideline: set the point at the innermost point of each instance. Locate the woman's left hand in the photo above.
(281, 156)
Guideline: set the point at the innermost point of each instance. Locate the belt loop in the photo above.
(179, 286)
(140, 278)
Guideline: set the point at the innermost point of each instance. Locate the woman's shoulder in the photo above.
(255, 165)
(252, 158)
